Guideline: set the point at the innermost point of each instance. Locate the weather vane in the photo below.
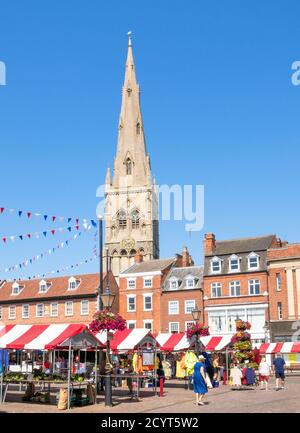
(129, 36)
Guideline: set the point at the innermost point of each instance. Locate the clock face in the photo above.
(128, 243)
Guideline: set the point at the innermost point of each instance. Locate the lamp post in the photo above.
(107, 299)
(100, 289)
(196, 313)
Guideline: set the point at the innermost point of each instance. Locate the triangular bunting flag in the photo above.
(45, 234)
(1, 209)
(29, 214)
(53, 231)
(45, 217)
(53, 218)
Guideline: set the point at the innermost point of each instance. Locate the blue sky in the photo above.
(218, 104)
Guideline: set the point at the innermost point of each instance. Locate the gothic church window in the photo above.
(128, 166)
(135, 218)
(138, 128)
(122, 219)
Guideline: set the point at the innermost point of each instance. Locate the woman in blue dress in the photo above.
(200, 386)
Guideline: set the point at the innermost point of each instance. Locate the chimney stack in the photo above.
(185, 257)
(209, 243)
(138, 258)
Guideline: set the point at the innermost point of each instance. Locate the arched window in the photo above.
(132, 253)
(128, 166)
(123, 253)
(138, 128)
(122, 219)
(135, 219)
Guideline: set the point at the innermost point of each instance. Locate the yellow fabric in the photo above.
(157, 363)
(190, 361)
(180, 372)
(134, 362)
(293, 357)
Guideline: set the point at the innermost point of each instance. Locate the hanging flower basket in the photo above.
(197, 329)
(107, 321)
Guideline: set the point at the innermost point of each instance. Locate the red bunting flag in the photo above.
(53, 231)
(29, 214)
(4, 240)
(77, 220)
(53, 218)
(77, 227)
(1, 209)
(29, 235)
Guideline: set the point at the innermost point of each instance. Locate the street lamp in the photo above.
(100, 289)
(196, 313)
(107, 300)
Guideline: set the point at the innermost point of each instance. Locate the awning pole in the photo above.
(96, 378)
(69, 374)
(226, 353)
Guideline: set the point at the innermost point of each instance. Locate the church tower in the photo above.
(131, 217)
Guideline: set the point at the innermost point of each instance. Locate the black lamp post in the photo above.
(107, 299)
(100, 289)
(196, 313)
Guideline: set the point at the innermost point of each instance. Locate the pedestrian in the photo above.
(279, 364)
(264, 372)
(200, 385)
(236, 376)
(216, 368)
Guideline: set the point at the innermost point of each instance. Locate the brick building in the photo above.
(56, 300)
(235, 284)
(284, 288)
(181, 293)
(144, 293)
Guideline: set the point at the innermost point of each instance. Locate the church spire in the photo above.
(130, 67)
(131, 163)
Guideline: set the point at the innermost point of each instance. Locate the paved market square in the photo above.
(177, 399)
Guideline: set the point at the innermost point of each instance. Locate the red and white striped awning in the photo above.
(129, 339)
(173, 342)
(40, 337)
(269, 348)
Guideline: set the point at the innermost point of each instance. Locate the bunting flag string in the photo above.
(55, 272)
(43, 255)
(45, 217)
(86, 226)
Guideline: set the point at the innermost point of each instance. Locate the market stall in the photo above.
(65, 337)
(133, 353)
(290, 352)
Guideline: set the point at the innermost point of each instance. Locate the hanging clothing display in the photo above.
(190, 361)
(167, 369)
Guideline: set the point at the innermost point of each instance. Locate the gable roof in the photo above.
(243, 245)
(149, 266)
(182, 273)
(89, 283)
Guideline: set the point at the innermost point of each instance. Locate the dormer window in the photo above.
(173, 284)
(73, 283)
(253, 261)
(44, 286)
(16, 288)
(215, 265)
(234, 263)
(190, 282)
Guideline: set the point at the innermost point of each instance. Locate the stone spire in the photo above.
(132, 164)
